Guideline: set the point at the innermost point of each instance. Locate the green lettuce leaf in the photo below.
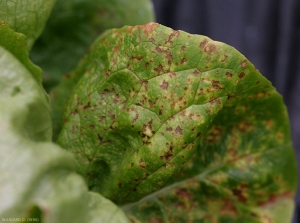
(75, 24)
(27, 17)
(17, 78)
(185, 126)
(38, 181)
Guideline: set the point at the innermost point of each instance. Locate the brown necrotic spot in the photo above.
(216, 85)
(92, 126)
(244, 64)
(241, 75)
(229, 75)
(183, 61)
(196, 72)
(178, 130)
(164, 85)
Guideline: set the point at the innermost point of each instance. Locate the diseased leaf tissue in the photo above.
(153, 102)
(170, 126)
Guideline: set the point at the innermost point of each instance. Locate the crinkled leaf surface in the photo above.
(184, 123)
(75, 24)
(37, 178)
(26, 16)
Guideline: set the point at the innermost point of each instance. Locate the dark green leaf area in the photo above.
(75, 24)
(151, 98)
(16, 44)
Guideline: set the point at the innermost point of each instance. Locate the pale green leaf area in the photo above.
(26, 16)
(16, 81)
(37, 177)
(75, 24)
(177, 127)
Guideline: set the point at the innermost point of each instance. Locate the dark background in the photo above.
(266, 32)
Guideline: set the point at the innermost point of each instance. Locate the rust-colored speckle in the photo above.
(92, 126)
(183, 48)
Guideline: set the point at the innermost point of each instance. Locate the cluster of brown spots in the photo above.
(159, 69)
(164, 85)
(273, 198)
(107, 73)
(137, 58)
(116, 50)
(99, 138)
(228, 207)
(146, 65)
(147, 131)
(87, 106)
(174, 34)
(269, 124)
(214, 135)
(142, 164)
(216, 85)
(148, 28)
(168, 55)
(74, 112)
(244, 126)
(152, 40)
(167, 155)
(210, 48)
(240, 194)
(119, 184)
(279, 136)
(203, 44)
(215, 101)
